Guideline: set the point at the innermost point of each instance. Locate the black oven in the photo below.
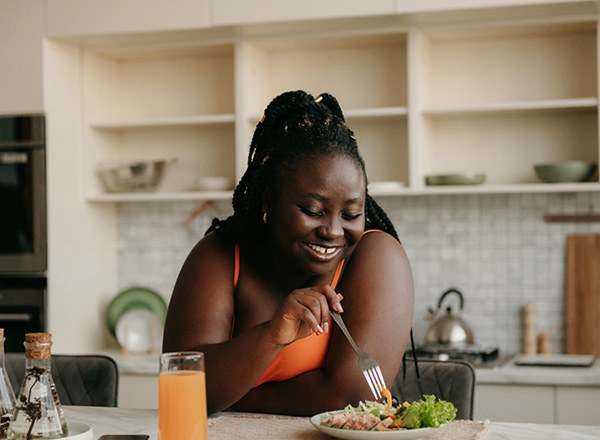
(22, 309)
(22, 195)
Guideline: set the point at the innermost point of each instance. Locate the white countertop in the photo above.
(511, 374)
(232, 426)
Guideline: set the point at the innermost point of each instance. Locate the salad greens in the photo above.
(429, 412)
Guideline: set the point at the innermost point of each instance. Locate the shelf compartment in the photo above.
(383, 143)
(498, 64)
(200, 151)
(158, 84)
(334, 64)
(506, 146)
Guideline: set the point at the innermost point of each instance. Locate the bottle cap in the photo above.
(37, 345)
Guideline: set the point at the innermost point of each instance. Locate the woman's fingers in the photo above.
(306, 311)
(333, 299)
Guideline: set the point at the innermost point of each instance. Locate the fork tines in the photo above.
(375, 380)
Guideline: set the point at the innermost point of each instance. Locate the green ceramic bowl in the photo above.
(563, 172)
(455, 179)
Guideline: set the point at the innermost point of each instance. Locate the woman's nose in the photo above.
(331, 229)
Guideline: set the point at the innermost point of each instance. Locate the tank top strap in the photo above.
(236, 264)
(337, 275)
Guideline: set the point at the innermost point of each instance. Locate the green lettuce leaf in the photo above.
(428, 413)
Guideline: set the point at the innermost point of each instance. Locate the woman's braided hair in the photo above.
(295, 127)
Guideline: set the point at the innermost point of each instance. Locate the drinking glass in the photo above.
(182, 397)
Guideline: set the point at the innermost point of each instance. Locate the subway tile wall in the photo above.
(496, 249)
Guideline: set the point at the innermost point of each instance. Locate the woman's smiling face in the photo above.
(317, 217)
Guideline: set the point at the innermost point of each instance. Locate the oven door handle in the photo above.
(16, 317)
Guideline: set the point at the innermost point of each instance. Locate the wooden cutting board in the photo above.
(583, 294)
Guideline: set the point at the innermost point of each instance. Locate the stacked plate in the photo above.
(135, 318)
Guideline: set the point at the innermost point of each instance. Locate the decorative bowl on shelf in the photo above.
(455, 179)
(134, 176)
(567, 171)
(214, 183)
(385, 186)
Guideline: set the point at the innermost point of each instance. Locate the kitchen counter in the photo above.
(511, 374)
(506, 373)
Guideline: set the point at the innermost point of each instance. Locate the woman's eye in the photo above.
(311, 212)
(351, 216)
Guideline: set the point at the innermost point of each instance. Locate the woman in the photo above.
(254, 294)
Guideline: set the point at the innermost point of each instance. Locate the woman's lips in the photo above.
(323, 253)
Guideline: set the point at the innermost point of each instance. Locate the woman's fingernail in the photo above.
(319, 329)
(326, 327)
(340, 296)
(338, 308)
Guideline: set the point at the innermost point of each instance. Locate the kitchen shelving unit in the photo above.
(497, 97)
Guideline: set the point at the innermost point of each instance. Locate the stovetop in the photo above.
(476, 355)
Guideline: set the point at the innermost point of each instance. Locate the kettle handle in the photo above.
(449, 291)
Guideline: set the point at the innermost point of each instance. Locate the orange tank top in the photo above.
(300, 356)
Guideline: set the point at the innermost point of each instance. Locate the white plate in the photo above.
(408, 434)
(139, 330)
(79, 431)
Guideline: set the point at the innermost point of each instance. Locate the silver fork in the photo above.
(366, 363)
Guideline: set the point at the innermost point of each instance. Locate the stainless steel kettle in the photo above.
(447, 328)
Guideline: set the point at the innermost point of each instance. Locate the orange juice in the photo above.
(182, 406)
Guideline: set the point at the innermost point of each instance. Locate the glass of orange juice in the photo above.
(182, 397)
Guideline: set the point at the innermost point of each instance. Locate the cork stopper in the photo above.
(37, 345)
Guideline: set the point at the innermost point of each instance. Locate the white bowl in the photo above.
(139, 331)
(213, 183)
(79, 431)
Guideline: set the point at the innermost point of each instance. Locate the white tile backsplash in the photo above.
(496, 249)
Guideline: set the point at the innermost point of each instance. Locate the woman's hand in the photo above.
(304, 311)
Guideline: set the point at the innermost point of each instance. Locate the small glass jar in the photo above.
(38, 413)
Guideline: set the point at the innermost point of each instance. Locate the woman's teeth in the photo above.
(322, 250)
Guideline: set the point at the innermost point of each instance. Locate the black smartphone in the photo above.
(124, 437)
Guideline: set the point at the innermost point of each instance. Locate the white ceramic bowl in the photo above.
(213, 183)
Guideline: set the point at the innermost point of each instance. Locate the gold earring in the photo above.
(264, 217)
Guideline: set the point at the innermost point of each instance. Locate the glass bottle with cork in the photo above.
(7, 396)
(38, 413)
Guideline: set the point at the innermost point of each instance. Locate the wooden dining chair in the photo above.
(81, 380)
(451, 380)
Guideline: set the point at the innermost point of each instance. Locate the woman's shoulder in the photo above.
(375, 240)
(212, 249)
(378, 249)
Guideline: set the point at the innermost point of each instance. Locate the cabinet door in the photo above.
(577, 405)
(514, 403)
(22, 25)
(74, 18)
(230, 12)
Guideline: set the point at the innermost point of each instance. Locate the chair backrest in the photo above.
(453, 381)
(81, 380)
